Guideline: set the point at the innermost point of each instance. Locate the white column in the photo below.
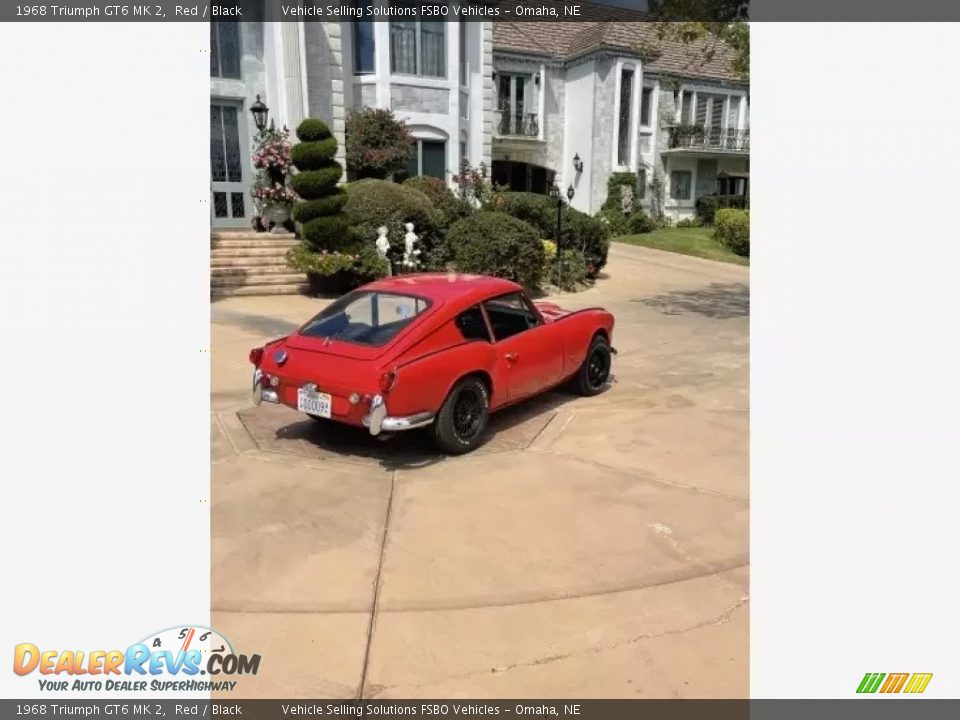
(292, 64)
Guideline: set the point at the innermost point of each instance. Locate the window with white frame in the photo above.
(625, 116)
(681, 182)
(517, 104)
(646, 106)
(225, 50)
(463, 52)
(363, 47)
(429, 159)
(417, 47)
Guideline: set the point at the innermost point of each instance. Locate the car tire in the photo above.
(461, 422)
(593, 374)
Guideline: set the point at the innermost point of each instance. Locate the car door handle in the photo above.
(511, 356)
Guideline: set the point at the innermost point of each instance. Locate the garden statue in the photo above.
(383, 245)
(411, 254)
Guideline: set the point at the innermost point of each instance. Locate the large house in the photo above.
(537, 102)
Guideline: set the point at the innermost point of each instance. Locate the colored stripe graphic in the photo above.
(894, 682)
(918, 682)
(870, 682)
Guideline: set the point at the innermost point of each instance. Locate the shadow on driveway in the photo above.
(719, 301)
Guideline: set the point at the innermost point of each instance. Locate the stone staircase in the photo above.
(244, 262)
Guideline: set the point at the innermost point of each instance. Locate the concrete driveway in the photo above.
(594, 547)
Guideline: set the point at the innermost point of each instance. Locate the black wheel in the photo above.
(592, 376)
(461, 421)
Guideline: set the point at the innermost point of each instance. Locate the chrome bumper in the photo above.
(378, 421)
(260, 393)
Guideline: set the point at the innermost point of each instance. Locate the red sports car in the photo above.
(432, 349)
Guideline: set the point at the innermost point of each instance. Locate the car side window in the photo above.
(510, 315)
(471, 324)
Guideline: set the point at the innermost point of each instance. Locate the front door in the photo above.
(229, 177)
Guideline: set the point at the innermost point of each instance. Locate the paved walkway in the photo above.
(594, 547)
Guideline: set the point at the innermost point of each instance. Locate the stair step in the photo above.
(265, 242)
(242, 271)
(287, 278)
(292, 289)
(248, 261)
(278, 252)
(246, 235)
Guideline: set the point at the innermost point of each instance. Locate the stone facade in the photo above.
(412, 98)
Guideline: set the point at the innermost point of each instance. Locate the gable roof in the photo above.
(619, 30)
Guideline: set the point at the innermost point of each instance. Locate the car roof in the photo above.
(443, 287)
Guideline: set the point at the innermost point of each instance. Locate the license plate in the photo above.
(314, 403)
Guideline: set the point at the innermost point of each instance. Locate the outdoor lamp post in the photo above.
(259, 112)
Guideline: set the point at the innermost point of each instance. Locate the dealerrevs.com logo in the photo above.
(181, 659)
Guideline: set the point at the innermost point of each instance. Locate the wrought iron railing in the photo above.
(698, 137)
(518, 124)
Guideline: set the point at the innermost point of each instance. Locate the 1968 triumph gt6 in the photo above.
(434, 349)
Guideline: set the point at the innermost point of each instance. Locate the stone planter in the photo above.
(279, 215)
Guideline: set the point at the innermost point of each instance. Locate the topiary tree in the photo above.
(325, 226)
(378, 145)
(493, 243)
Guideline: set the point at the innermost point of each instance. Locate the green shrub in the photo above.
(372, 203)
(330, 232)
(690, 222)
(330, 205)
(449, 208)
(313, 154)
(311, 130)
(494, 243)
(707, 205)
(732, 228)
(614, 221)
(639, 222)
(615, 183)
(589, 236)
(570, 273)
(537, 210)
(324, 228)
(578, 230)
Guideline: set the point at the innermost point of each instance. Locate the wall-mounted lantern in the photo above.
(577, 163)
(259, 112)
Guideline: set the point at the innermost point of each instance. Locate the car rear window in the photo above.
(366, 317)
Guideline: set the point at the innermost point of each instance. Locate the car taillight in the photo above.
(256, 356)
(387, 381)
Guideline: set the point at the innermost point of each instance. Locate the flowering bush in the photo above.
(473, 183)
(275, 194)
(378, 144)
(272, 150)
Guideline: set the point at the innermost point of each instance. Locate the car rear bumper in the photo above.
(377, 420)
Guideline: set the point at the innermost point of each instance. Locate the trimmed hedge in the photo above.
(639, 222)
(330, 232)
(313, 184)
(732, 228)
(311, 130)
(707, 205)
(449, 207)
(372, 203)
(329, 205)
(494, 243)
(578, 230)
(313, 154)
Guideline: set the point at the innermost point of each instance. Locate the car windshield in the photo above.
(366, 318)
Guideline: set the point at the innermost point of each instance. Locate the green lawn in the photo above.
(696, 241)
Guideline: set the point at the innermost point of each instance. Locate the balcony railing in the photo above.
(518, 124)
(697, 137)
